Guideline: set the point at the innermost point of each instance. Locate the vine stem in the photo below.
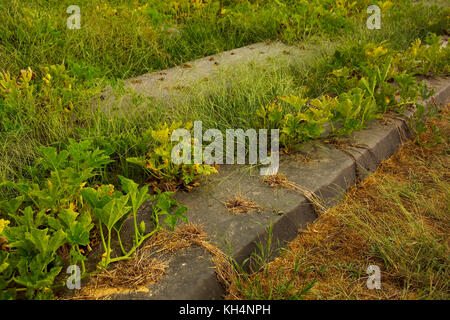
(108, 252)
(83, 267)
(120, 242)
(128, 255)
(101, 235)
(137, 234)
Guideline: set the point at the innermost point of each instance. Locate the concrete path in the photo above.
(175, 83)
(320, 168)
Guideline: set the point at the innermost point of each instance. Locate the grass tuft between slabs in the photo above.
(239, 205)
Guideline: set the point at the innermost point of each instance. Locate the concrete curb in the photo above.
(328, 172)
(169, 87)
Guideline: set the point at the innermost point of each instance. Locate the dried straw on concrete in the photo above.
(150, 263)
(278, 180)
(239, 205)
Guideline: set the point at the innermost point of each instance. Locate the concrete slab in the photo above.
(192, 277)
(329, 173)
(168, 86)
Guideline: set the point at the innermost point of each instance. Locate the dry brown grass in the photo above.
(239, 205)
(398, 218)
(126, 276)
(280, 181)
(150, 263)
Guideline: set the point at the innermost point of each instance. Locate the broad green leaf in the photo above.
(113, 211)
(68, 216)
(78, 234)
(57, 240)
(11, 206)
(54, 223)
(39, 238)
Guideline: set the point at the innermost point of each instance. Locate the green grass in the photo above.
(126, 38)
(120, 39)
(129, 38)
(97, 52)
